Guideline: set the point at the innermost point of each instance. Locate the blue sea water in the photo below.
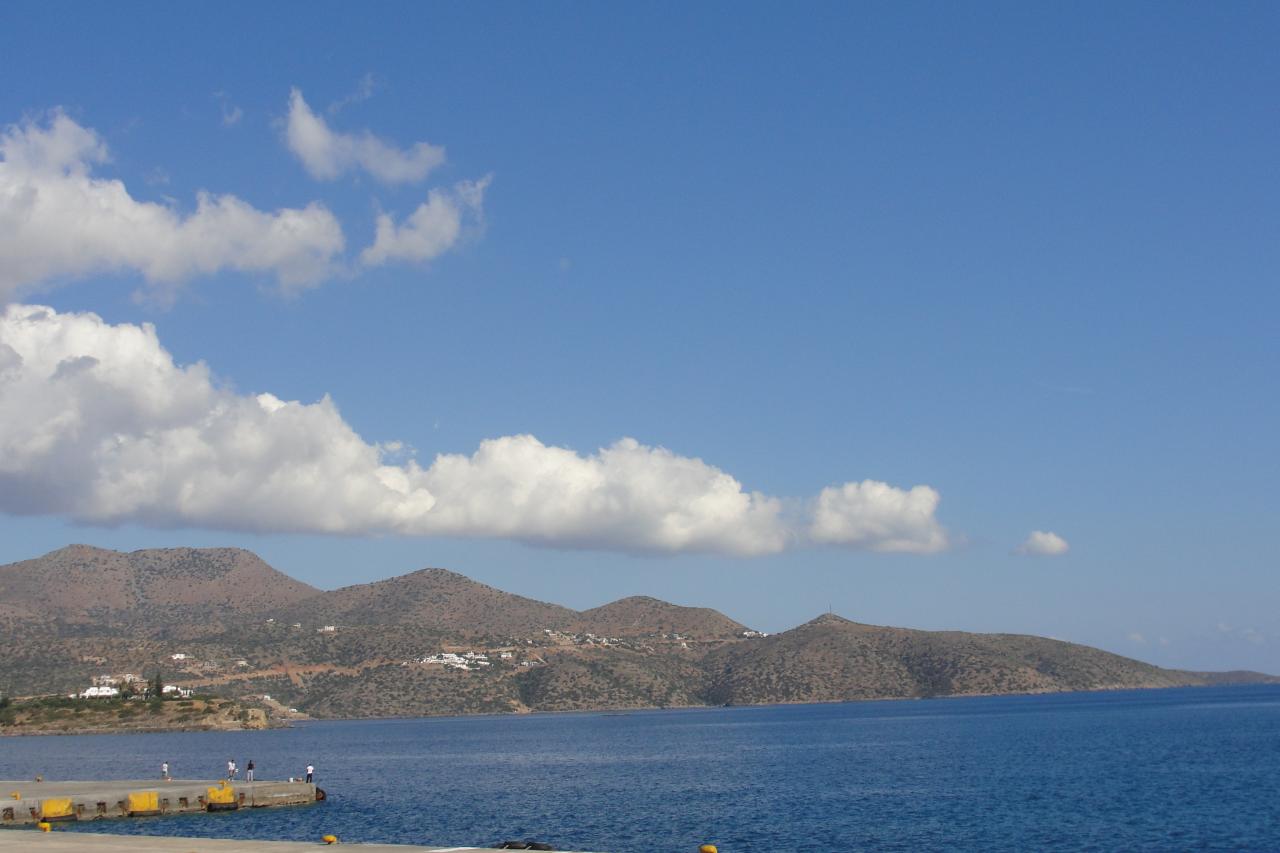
(1189, 769)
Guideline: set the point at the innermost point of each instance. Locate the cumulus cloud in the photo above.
(879, 517)
(97, 422)
(57, 220)
(432, 229)
(1043, 543)
(626, 496)
(328, 155)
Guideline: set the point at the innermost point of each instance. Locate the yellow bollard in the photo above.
(17, 795)
(44, 826)
(329, 839)
(708, 848)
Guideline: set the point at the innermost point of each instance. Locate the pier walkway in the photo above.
(31, 842)
(27, 841)
(31, 802)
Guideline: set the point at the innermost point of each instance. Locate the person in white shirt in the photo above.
(310, 773)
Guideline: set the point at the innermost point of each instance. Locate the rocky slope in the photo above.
(642, 616)
(436, 642)
(833, 659)
(435, 600)
(96, 587)
(60, 715)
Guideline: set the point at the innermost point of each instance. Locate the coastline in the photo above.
(19, 731)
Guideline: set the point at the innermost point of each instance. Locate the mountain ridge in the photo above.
(434, 641)
(82, 583)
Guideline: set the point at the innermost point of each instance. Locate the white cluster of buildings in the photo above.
(96, 692)
(593, 640)
(750, 635)
(587, 639)
(108, 687)
(466, 661)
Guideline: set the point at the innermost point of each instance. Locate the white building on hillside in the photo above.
(100, 693)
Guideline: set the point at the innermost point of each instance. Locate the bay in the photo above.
(1184, 769)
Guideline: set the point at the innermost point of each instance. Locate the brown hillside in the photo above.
(246, 628)
(641, 615)
(434, 599)
(833, 659)
(81, 583)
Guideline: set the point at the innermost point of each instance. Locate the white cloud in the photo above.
(231, 114)
(328, 155)
(59, 221)
(1043, 543)
(363, 92)
(879, 517)
(1137, 638)
(1252, 635)
(432, 229)
(626, 496)
(99, 423)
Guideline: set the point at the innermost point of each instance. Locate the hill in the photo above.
(834, 659)
(81, 584)
(436, 642)
(434, 600)
(640, 616)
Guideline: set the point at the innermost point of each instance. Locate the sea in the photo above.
(1161, 770)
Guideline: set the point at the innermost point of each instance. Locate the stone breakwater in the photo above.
(52, 802)
(79, 842)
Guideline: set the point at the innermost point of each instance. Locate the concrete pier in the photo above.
(33, 802)
(19, 841)
(27, 841)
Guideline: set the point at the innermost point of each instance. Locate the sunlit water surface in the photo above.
(1194, 769)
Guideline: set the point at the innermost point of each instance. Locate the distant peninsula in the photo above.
(225, 626)
(75, 715)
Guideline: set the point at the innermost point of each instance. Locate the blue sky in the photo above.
(1023, 258)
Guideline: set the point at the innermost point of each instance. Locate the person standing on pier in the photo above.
(231, 768)
(311, 771)
(248, 771)
(164, 771)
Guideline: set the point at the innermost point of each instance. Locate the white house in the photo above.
(100, 693)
